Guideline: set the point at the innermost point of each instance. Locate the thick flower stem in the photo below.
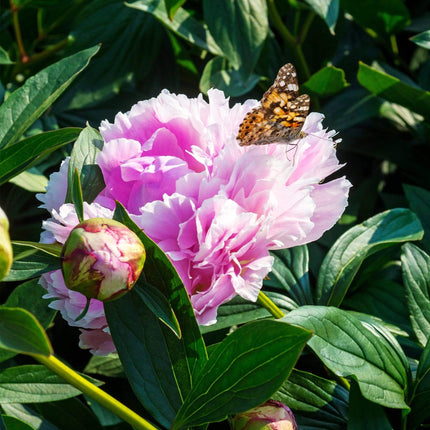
(94, 392)
(264, 301)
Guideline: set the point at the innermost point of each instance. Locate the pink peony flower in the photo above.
(214, 207)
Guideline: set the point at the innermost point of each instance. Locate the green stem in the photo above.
(265, 302)
(395, 49)
(293, 42)
(306, 26)
(17, 29)
(44, 54)
(94, 392)
(279, 24)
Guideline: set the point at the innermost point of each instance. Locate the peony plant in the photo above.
(232, 307)
(216, 209)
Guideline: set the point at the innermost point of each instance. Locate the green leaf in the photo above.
(350, 108)
(416, 277)
(104, 416)
(349, 349)
(290, 274)
(421, 393)
(394, 90)
(314, 399)
(33, 384)
(28, 103)
(13, 423)
(230, 81)
(160, 367)
(77, 197)
(83, 157)
(21, 332)
(374, 415)
(14, 161)
(4, 57)
(106, 365)
(378, 17)
(240, 29)
(31, 180)
(245, 369)
(159, 305)
(380, 329)
(125, 57)
(239, 311)
(326, 82)
(27, 415)
(172, 7)
(384, 299)
(183, 24)
(419, 201)
(28, 296)
(422, 39)
(345, 257)
(31, 264)
(146, 355)
(53, 249)
(328, 10)
(69, 414)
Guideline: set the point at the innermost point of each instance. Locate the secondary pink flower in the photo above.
(214, 207)
(71, 303)
(271, 415)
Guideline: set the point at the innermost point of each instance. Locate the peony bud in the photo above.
(102, 259)
(5, 245)
(272, 415)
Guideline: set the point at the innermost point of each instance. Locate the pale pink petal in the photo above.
(98, 341)
(57, 188)
(71, 303)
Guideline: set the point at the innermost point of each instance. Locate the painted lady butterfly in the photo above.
(281, 115)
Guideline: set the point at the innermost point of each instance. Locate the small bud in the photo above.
(102, 259)
(272, 415)
(5, 246)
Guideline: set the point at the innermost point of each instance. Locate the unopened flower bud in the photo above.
(272, 415)
(102, 259)
(5, 245)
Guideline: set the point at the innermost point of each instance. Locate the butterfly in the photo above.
(281, 114)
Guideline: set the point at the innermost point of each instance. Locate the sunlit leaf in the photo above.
(416, 277)
(422, 39)
(328, 10)
(391, 88)
(347, 254)
(244, 370)
(349, 349)
(27, 103)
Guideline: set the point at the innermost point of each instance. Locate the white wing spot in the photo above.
(292, 87)
(282, 83)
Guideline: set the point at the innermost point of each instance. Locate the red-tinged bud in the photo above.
(102, 259)
(272, 415)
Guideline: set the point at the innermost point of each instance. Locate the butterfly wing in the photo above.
(281, 115)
